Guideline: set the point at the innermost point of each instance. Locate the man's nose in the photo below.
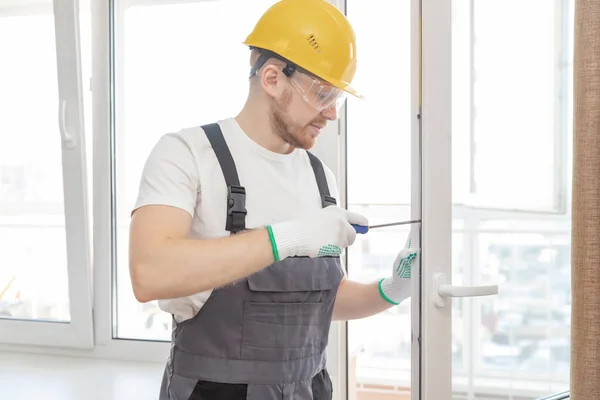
(330, 114)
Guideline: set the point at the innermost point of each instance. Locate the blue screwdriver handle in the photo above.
(360, 228)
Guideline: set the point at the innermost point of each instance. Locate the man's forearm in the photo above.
(181, 267)
(358, 300)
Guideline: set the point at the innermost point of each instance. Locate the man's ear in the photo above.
(270, 79)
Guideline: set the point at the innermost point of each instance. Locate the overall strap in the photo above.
(326, 198)
(236, 194)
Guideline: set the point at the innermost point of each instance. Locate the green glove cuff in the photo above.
(273, 244)
(382, 293)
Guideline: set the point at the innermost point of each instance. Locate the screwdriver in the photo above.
(365, 229)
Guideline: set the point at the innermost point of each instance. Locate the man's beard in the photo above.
(292, 133)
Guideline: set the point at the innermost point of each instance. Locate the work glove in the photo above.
(325, 233)
(397, 287)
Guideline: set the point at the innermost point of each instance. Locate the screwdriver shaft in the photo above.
(394, 224)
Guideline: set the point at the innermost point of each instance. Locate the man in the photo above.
(237, 231)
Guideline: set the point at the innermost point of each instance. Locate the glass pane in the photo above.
(168, 79)
(33, 256)
(511, 150)
(379, 347)
(510, 101)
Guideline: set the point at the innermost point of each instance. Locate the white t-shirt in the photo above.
(182, 171)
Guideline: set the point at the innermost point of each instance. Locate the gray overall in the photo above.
(264, 337)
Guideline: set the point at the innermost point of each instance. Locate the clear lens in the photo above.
(318, 94)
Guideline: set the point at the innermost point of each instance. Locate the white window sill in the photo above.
(28, 376)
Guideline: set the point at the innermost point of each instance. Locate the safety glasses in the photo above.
(316, 93)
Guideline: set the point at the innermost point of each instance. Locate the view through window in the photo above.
(32, 217)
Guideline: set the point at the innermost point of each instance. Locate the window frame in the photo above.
(78, 332)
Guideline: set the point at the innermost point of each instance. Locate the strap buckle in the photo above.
(236, 209)
(327, 200)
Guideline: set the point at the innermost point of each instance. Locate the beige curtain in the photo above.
(585, 331)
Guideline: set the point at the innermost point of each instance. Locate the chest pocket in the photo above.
(287, 311)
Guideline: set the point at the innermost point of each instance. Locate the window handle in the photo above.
(66, 136)
(442, 289)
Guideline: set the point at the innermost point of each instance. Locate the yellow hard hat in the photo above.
(312, 34)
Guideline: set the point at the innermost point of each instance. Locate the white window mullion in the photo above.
(436, 199)
(102, 89)
(78, 332)
(71, 119)
(416, 188)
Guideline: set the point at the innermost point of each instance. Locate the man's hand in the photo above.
(358, 300)
(327, 232)
(397, 288)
